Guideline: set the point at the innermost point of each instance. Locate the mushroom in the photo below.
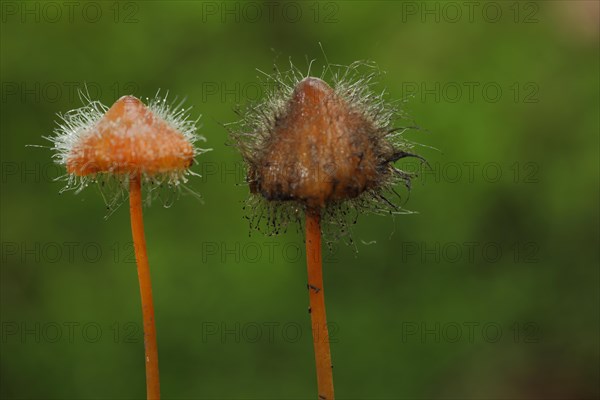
(132, 143)
(314, 149)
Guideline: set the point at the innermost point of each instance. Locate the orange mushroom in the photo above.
(314, 149)
(130, 141)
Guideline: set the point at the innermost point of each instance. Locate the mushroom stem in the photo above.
(317, 305)
(141, 257)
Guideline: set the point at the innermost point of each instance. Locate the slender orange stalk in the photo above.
(317, 305)
(312, 146)
(141, 257)
(128, 140)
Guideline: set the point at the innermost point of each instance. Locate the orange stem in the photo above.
(317, 305)
(141, 257)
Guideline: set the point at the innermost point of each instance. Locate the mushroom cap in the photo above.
(320, 150)
(130, 138)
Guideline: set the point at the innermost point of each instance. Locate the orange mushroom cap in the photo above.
(320, 150)
(130, 138)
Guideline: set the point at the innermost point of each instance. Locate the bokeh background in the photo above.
(490, 291)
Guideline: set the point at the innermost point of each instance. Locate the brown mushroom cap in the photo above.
(319, 152)
(130, 138)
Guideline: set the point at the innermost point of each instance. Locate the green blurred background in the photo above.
(491, 291)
